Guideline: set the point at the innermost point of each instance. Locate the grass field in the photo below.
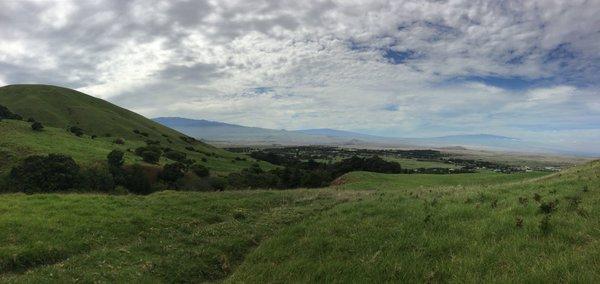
(373, 228)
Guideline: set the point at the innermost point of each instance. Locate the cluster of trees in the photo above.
(60, 173)
(297, 173)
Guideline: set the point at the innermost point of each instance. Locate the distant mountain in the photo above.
(338, 133)
(186, 122)
(232, 134)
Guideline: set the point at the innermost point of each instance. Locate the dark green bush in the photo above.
(172, 172)
(37, 126)
(176, 155)
(96, 178)
(50, 173)
(137, 180)
(5, 113)
(76, 130)
(200, 170)
(150, 157)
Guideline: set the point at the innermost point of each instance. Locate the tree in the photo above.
(37, 126)
(50, 173)
(200, 170)
(137, 181)
(150, 157)
(176, 155)
(115, 166)
(172, 172)
(115, 158)
(96, 178)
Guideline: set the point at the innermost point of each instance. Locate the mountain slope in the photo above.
(226, 133)
(60, 108)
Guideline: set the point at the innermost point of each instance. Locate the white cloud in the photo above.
(323, 61)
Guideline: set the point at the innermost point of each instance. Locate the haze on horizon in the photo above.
(524, 69)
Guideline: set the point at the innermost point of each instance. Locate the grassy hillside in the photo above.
(493, 233)
(62, 107)
(59, 108)
(364, 231)
(384, 182)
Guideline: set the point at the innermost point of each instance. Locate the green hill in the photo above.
(59, 108)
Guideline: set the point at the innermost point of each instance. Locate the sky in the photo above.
(524, 69)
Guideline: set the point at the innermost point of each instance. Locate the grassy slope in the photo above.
(60, 108)
(167, 236)
(448, 233)
(369, 180)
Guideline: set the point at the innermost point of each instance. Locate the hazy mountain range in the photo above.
(226, 134)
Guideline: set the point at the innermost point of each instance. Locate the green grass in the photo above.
(382, 182)
(448, 234)
(166, 237)
(374, 228)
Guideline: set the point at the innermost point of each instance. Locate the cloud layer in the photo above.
(399, 68)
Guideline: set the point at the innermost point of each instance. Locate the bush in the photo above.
(50, 173)
(115, 158)
(176, 155)
(5, 113)
(150, 157)
(200, 170)
(76, 130)
(137, 181)
(96, 178)
(172, 172)
(37, 126)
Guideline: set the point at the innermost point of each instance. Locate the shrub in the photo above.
(176, 155)
(96, 178)
(545, 226)
(200, 170)
(5, 113)
(519, 222)
(50, 173)
(150, 154)
(217, 183)
(547, 207)
(137, 181)
(150, 157)
(76, 130)
(115, 163)
(36, 126)
(172, 172)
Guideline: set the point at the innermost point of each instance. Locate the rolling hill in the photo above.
(59, 108)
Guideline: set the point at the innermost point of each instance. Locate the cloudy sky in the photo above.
(526, 69)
